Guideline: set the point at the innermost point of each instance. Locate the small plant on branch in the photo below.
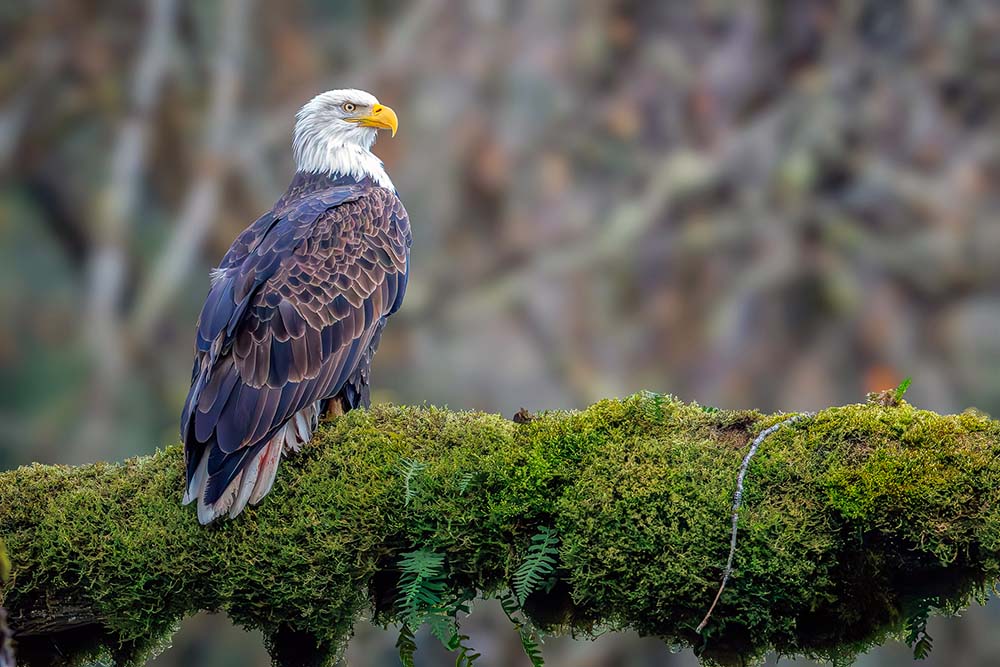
(539, 564)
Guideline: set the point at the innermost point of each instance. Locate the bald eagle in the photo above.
(296, 308)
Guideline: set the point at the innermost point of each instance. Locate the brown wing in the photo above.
(296, 315)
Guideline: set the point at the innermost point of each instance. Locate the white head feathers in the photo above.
(335, 131)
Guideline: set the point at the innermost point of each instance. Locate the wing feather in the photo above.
(297, 301)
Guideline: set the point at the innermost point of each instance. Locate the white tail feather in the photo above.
(249, 480)
(209, 513)
(302, 426)
(268, 468)
(256, 479)
(194, 489)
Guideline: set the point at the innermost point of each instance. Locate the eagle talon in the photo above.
(334, 409)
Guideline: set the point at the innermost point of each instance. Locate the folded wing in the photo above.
(294, 306)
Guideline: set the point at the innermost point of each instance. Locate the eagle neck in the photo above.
(345, 160)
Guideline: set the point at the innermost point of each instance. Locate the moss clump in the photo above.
(850, 520)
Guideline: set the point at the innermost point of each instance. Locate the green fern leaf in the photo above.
(917, 638)
(539, 564)
(923, 647)
(4, 565)
(466, 656)
(529, 636)
(410, 469)
(406, 645)
(653, 405)
(510, 607)
(464, 480)
(421, 585)
(531, 648)
(444, 628)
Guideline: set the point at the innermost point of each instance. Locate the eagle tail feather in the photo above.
(247, 480)
(269, 460)
(256, 479)
(209, 512)
(198, 480)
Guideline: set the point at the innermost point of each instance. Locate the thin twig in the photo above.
(737, 501)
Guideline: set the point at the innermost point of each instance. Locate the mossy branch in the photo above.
(853, 521)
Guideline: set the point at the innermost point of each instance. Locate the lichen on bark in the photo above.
(851, 519)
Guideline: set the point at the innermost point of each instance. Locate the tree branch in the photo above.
(851, 522)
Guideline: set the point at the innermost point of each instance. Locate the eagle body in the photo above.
(290, 325)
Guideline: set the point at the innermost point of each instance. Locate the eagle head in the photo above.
(335, 131)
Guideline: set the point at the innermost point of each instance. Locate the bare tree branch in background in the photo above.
(202, 202)
(114, 212)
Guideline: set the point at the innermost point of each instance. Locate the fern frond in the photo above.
(410, 469)
(464, 480)
(539, 563)
(916, 629)
(467, 656)
(531, 648)
(653, 405)
(406, 644)
(922, 648)
(510, 606)
(423, 598)
(656, 405)
(530, 637)
(444, 628)
(421, 585)
(4, 564)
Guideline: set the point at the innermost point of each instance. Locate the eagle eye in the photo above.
(348, 107)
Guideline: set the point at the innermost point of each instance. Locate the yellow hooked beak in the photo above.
(381, 117)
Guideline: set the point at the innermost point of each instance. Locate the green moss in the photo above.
(849, 520)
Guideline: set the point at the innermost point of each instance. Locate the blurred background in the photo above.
(781, 205)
